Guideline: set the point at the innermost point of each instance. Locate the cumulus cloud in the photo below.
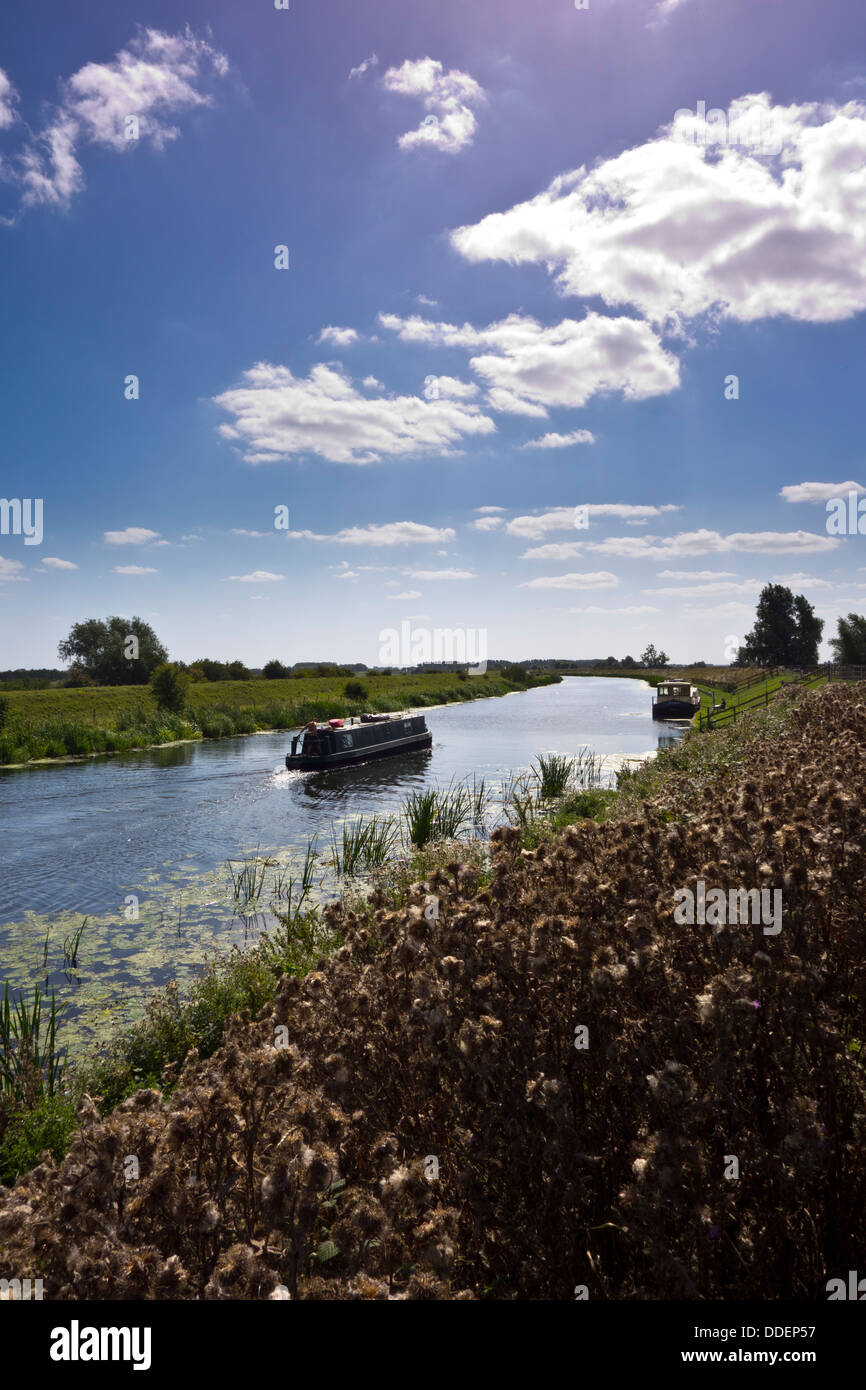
(387, 533)
(560, 441)
(53, 563)
(134, 569)
(599, 579)
(555, 550)
(819, 492)
(340, 337)
(156, 77)
(562, 518)
(448, 98)
(678, 229)
(406, 594)
(632, 610)
(696, 574)
(441, 574)
(131, 535)
(705, 542)
(277, 415)
(529, 368)
(9, 569)
(257, 577)
(487, 523)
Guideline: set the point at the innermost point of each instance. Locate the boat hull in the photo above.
(675, 709)
(350, 757)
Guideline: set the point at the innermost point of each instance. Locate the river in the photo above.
(138, 844)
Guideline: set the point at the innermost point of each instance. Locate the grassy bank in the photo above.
(444, 1019)
(67, 723)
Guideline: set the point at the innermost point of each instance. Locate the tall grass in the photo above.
(364, 844)
(31, 1064)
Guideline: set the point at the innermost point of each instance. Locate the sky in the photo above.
(533, 320)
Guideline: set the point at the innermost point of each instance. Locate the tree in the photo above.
(849, 646)
(169, 683)
(786, 631)
(275, 671)
(118, 651)
(653, 657)
(237, 671)
(628, 662)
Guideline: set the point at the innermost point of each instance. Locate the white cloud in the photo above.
(372, 383)
(729, 586)
(696, 574)
(487, 523)
(488, 511)
(677, 229)
(529, 368)
(633, 610)
(407, 594)
(257, 577)
(8, 98)
(562, 518)
(340, 337)
(363, 67)
(819, 492)
(426, 301)
(134, 569)
(156, 77)
(442, 574)
(560, 441)
(599, 579)
(53, 563)
(9, 569)
(387, 533)
(132, 535)
(277, 415)
(240, 531)
(556, 550)
(809, 581)
(447, 97)
(711, 542)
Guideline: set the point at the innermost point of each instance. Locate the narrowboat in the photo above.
(676, 700)
(341, 742)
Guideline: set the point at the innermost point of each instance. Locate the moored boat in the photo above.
(342, 742)
(676, 700)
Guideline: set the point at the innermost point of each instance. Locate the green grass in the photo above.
(114, 719)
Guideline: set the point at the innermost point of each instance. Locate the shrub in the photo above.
(355, 690)
(169, 685)
(275, 671)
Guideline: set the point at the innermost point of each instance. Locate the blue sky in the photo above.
(517, 283)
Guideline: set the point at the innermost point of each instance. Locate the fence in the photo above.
(806, 677)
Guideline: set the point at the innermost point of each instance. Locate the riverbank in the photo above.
(51, 726)
(509, 1080)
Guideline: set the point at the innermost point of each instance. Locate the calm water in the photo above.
(138, 843)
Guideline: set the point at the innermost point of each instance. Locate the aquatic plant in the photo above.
(31, 1063)
(363, 844)
(71, 945)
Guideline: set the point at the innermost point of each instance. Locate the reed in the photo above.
(364, 844)
(71, 944)
(31, 1064)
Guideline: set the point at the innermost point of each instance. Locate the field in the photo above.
(110, 719)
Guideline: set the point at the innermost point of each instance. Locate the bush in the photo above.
(169, 685)
(516, 675)
(275, 671)
(355, 690)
